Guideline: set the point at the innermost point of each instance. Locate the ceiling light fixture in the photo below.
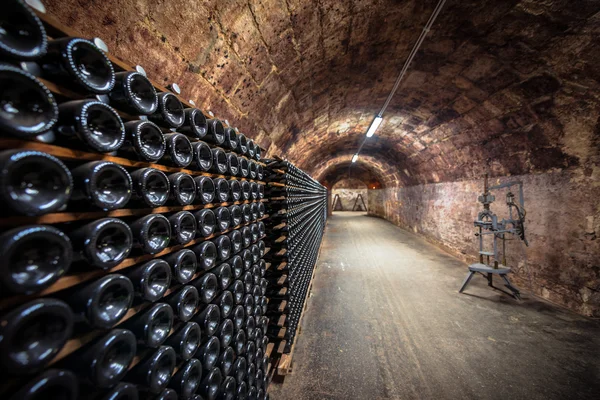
(379, 117)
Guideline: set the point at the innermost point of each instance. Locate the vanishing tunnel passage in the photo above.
(170, 168)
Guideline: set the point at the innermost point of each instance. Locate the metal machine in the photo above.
(490, 261)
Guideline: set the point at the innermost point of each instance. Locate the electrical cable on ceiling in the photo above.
(410, 58)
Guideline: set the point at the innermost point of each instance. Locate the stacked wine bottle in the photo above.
(298, 210)
(132, 233)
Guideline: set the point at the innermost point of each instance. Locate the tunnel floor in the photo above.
(385, 321)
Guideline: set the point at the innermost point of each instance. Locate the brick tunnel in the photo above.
(505, 89)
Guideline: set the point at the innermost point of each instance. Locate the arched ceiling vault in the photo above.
(504, 85)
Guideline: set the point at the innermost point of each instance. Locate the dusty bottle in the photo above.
(34, 257)
(29, 107)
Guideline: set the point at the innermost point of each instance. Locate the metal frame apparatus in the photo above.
(491, 262)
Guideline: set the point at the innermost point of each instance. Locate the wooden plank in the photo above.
(72, 280)
(270, 348)
(281, 321)
(281, 280)
(282, 306)
(281, 347)
(277, 184)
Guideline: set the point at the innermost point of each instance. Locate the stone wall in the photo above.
(561, 263)
(348, 197)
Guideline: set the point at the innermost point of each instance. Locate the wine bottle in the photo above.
(250, 346)
(152, 326)
(236, 215)
(221, 190)
(258, 155)
(206, 253)
(237, 266)
(187, 379)
(144, 140)
(223, 244)
(75, 60)
(259, 359)
(103, 184)
(207, 286)
(133, 93)
(224, 275)
(248, 304)
(216, 132)
(254, 191)
(252, 392)
(225, 303)
(103, 243)
(23, 34)
(195, 124)
(104, 302)
(231, 141)
(225, 332)
(183, 226)
(35, 256)
(29, 109)
(235, 190)
(186, 341)
(261, 229)
(106, 361)
(240, 367)
(254, 233)
(166, 394)
(235, 238)
(260, 381)
(183, 188)
(206, 222)
(205, 189)
(246, 191)
(179, 150)
(251, 148)
(237, 288)
(208, 319)
(151, 233)
(122, 391)
(250, 353)
(209, 352)
(223, 218)
(233, 165)
(246, 235)
(184, 263)
(155, 370)
(32, 334)
(184, 302)
(260, 174)
(50, 384)
(229, 386)
(255, 252)
(151, 280)
(242, 390)
(203, 156)
(243, 144)
(95, 125)
(170, 112)
(247, 258)
(248, 281)
(219, 165)
(244, 167)
(211, 384)
(253, 166)
(150, 187)
(239, 340)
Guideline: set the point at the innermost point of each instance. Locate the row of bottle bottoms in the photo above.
(36, 183)
(213, 319)
(36, 256)
(82, 67)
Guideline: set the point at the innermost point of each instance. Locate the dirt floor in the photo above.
(385, 321)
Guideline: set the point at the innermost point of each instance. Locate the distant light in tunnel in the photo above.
(354, 158)
(374, 125)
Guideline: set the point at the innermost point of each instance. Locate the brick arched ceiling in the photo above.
(512, 86)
